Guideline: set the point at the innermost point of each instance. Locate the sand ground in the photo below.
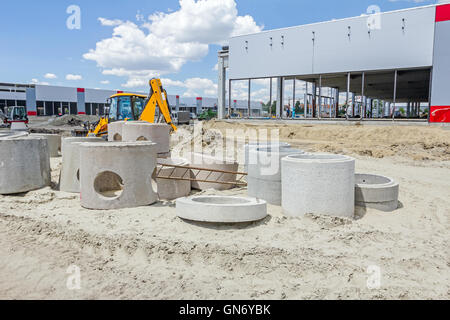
(148, 253)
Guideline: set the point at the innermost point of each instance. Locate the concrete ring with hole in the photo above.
(221, 209)
(117, 175)
(376, 192)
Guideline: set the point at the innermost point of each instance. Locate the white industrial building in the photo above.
(45, 100)
(370, 64)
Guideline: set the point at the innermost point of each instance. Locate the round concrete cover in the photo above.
(221, 209)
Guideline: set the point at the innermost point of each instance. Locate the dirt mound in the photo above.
(72, 120)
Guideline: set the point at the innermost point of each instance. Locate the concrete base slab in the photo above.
(173, 189)
(220, 209)
(318, 184)
(377, 192)
(117, 175)
(24, 164)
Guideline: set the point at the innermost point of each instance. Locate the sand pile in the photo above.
(149, 253)
(412, 142)
(72, 120)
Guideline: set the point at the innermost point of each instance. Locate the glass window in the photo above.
(124, 111)
(113, 110)
(139, 105)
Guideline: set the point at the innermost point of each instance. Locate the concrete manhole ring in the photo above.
(377, 192)
(221, 209)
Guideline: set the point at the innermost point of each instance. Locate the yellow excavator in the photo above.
(132, 107)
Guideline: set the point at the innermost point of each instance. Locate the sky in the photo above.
(121, 44)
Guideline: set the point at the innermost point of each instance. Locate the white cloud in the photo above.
(110, 23)
(36, 81)
(73, 77)
(194, 87)
(105, 82)
(167, 41)
(50, 76)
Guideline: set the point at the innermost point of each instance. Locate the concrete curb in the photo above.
(219, 209)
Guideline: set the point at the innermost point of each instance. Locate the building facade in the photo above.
(394, 57)
(43, 100)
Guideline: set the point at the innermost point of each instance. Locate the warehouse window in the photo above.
(88, 108)
(40, 108)
(73, 108)
(65, 108)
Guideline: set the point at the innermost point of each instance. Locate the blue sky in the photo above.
(177, 46)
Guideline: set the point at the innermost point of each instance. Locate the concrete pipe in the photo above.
(264, 174)
(376, 192)
(219, 209)
(208, 162)
(255, 145)
(69, 179)
(143, 131)
(54, 143)
(117, 175)
(319, 184)
(24, 164)
(173, 189)
(115, 131)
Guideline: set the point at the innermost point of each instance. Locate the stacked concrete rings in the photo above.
(318, 184)
(24, 164)
(255, 145)
(264, 173)
(173, 189)
(218, 209)
(115, 131)
(158, 133)
(69, 180)
(54, 143)
(377, 192)
(117, 175)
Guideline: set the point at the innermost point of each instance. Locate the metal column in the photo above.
(347, 102)
(395, 93)
(270, 102)
(249, 98)
(229, 98)
(319, 114)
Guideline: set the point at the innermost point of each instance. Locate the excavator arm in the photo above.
(155, 99)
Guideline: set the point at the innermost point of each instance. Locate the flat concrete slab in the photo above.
(221, 209)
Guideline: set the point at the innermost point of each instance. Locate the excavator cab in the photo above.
(135, 107)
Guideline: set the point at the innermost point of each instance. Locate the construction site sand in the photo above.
(149, 253)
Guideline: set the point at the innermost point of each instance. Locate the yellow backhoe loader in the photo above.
(132, 107)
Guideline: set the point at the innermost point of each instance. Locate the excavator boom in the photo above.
(157, 97)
